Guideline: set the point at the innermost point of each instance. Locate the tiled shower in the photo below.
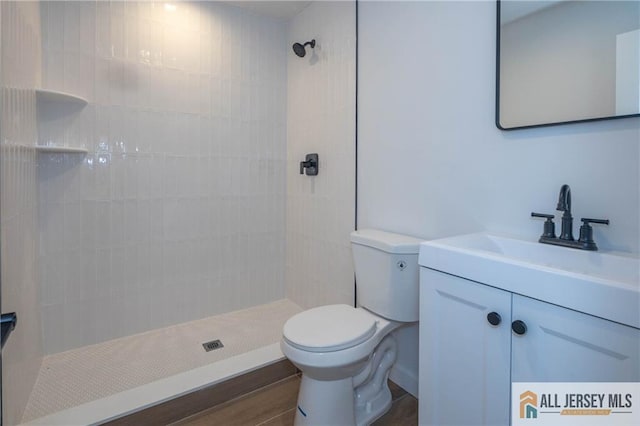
(188, 202)
(179, 205)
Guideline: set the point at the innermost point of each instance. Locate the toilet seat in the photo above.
(329, 328)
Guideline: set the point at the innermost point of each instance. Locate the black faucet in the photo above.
(564, 205)
(585, 242)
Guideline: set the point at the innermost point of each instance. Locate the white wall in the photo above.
(320, 118)
(431, 161)
(178, 210)
(20, 72)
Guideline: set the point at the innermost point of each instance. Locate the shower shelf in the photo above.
(60, 150)
(59, 101)
(43, 95)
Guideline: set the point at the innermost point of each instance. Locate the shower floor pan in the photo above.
(95, 383)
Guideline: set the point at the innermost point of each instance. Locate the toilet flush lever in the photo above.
(311, 164)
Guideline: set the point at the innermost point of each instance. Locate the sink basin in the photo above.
(598, 283)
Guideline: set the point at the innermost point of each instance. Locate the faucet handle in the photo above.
(586, 233)
(547, 216)
(549, 226)
(587, 221)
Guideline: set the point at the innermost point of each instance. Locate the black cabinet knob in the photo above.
(519, 327)
(494, 318)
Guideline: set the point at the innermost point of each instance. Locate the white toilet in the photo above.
(345, 353)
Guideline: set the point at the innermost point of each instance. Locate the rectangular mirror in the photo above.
(566, 61)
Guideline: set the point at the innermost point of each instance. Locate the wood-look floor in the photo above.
(275, 404)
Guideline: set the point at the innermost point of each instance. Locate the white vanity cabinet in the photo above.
(464, 365)
(562, 345)
(467, 364)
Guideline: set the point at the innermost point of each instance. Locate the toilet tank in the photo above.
(387, 273)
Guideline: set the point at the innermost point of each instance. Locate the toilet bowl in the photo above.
(345, 353)
(334, 346)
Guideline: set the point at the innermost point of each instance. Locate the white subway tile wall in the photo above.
(20, 73)
(198, 116)
(321, 118)
(178, 210)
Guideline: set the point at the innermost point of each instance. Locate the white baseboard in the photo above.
(405, 378)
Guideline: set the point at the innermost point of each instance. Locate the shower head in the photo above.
(299, 49)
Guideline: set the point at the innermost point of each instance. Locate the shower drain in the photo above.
(212, 345)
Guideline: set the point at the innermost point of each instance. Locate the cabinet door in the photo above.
(464, 360)
(561, 345)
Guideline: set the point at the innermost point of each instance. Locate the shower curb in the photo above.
(200, 400)
(176, 397)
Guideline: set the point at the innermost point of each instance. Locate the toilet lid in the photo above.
(329, 328)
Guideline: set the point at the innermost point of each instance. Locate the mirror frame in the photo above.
(497, 103)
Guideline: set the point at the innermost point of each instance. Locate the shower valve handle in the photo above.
(311, 164)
